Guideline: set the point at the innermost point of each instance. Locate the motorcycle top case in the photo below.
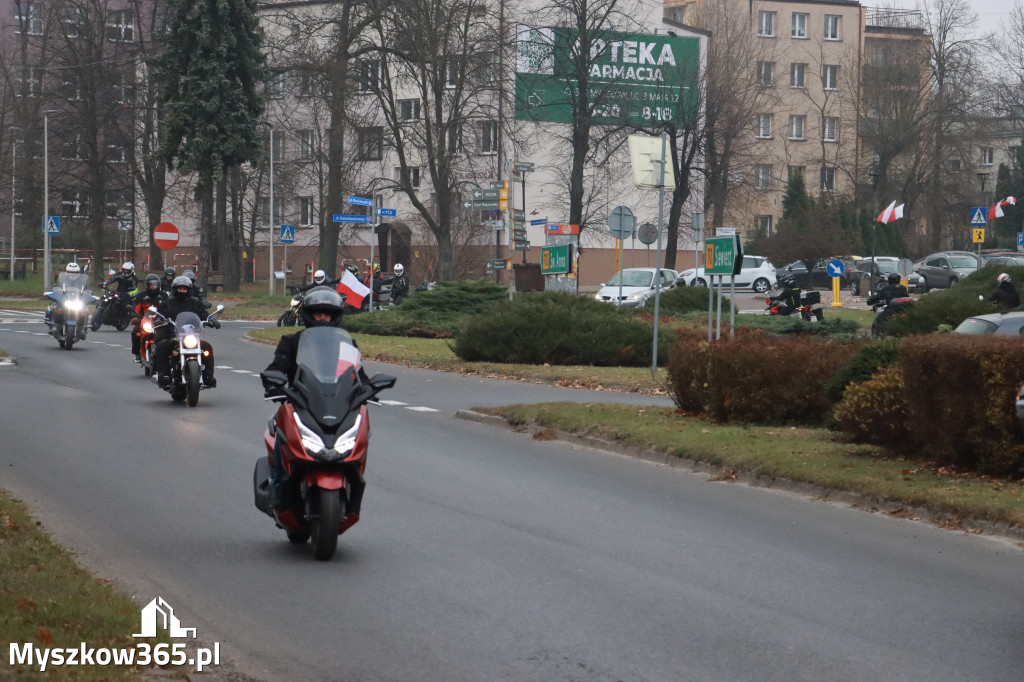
(810, 298)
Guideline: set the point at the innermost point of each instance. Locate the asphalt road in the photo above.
(483, 554)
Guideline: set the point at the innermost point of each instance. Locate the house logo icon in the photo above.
(159, 611)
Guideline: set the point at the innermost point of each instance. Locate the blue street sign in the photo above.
(360, 201)
(1020, 239)
(835, 268)
(53, 224)
(386, 211)
(287, 234)
(351, 218)
(539, 221)
(979, 216)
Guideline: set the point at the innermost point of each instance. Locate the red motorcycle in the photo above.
(147, 344)
(321, 434)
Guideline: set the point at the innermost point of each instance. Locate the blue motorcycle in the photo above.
(68, 316)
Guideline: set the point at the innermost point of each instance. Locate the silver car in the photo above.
(637, 286)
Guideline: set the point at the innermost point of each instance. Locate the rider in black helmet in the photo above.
(167, 280)
(892, 289)
(181, 301)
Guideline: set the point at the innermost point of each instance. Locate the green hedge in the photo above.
(559, 329)
(437, 313)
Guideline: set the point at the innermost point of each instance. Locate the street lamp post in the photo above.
(14, 156)
(982, 177)
(271, 219)
(46, 199)
(875, 176)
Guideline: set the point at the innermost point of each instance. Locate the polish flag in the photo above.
(352, 289)
(997, 210)
(892, 212)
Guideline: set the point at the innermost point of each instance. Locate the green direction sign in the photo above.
(519, 235)
(486, 193)
(723, 255)
(556, 260)
(481, 205)
(633, 78)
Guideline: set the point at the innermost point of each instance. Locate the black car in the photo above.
(819, 275)
(880, 273)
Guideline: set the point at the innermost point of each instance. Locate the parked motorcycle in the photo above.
(187, 355)
(321, 432)
(808, 305)
(897, 307)
(291, 317)
(113, 309)
(69, 321)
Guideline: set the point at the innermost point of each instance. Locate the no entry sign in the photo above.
(165, 236)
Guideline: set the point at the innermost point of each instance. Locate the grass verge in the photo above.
(813, 456)
(46, 599)
(435, 354)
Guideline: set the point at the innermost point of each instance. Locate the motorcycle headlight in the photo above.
(147, 326)
(347, 441)
(73, 306)
(190, 341)
(295, 302)
(310, 439)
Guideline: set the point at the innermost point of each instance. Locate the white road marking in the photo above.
(223, 367)
(241, 371)
(392, 402)
(420, 409)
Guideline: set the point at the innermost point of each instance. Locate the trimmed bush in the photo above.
(873, 410)
(834, 327)
(867, 361)
(437, 313)
(756, 377)
(559, 329)
(682, 301)
(960, 394)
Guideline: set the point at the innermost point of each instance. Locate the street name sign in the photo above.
(556, 260)
(360, 201)
(387, 211)
(723, 255)
(351, 218)
(481, 205)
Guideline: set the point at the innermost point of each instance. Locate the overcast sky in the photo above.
(991, 13)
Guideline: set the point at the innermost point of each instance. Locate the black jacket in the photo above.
(399, 286)
(145, 299)
(125, 283)
(174, 306)
(285, 354)
(887, 293)
(1006, 295)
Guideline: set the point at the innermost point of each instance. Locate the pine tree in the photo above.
(796, 198)
(211, 74)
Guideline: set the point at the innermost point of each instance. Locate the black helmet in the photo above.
(787, 280)
(321, 300)
(152, 282)
(894, 278)
(169, 272)
(179, 282)
(191, 276)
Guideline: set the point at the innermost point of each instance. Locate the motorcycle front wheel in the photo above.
(69, 338)
(192, 383)
(287, 319)
(324, 528)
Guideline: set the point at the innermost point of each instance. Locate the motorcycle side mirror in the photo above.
(981, 298)
(219, 308)
(151, 309)
(274, 377)
(382, 381)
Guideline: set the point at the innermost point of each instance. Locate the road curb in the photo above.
(717, 473)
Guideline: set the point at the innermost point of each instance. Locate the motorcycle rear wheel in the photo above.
(324, 528)
(192, 383)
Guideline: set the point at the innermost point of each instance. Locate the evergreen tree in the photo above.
(211, 74)
(796, 198)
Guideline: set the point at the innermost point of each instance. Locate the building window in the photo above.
(764, 125)
(117, 152)
(453, 138)
(371, 143)
(120, 26)
(74, 203)
(30, 18)
(765, 74)
(489, 137)
(276, 86)
(763, 176)
(278, 149)
(830, 129)
(796, 127)
(794, 171)
(453, 71)
(305, 145)
(954, 164)
(764, 225)
(71, 88)
(828, 179)
(73, 22)
(117, 204)
(409, 109)
(830, 77)
(124, 90)
(306, 211)
(797, 75)
(371, 74)
(832, 26)
(987, 155)
(28, 81)
(1015, 157)
(410, 177)
(72, 148)
(766, 24)
(799, 28)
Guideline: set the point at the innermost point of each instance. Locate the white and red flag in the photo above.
(892, 212)
(352, 289)
(997, 210)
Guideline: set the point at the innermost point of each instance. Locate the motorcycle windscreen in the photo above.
(188, 323)
(327, 375)
(70, 282)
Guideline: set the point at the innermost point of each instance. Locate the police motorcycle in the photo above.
(187, 354)
(68, 314)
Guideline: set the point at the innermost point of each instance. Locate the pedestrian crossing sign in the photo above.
(53, 224)
(979, 217)
(287, 234)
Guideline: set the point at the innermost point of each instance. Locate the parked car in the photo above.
(1005, 260)
(637, 286)
(880, 273)
(1004, 324)
(945, 269)
(820, 277)
(757, 273)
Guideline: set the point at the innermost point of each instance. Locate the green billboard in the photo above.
(633, 78)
